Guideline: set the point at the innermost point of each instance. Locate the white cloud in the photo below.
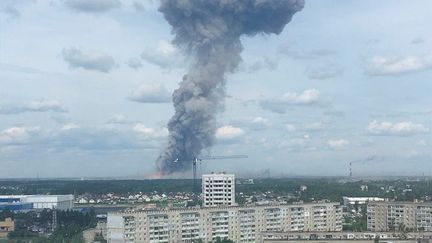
(33, 106)
(141, 128)
(89, 60)
(279, 105)
(306, 97)
(69, 126)
(151, 93)
(150, 133)
(384, 65)
(72, 137)
(16, 135)
(259, 123)
(12, 134)
(265, 63)
(93, 6)
(118, 119)
(252, 123)
(164, 55)
(145, 5)
(261, 120)
(337, 143)
(229, 132)
(45, 105)
(290, 127)
(400, 128)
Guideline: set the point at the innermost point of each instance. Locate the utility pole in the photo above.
(350, 169)
(54, 219)
(194, 170)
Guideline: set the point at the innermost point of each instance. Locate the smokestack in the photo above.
(209, 32)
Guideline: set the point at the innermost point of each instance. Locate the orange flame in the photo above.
(156, 176)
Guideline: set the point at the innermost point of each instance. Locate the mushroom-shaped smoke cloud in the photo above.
(209, 32)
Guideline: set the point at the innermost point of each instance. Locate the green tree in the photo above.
(356, 206)
(403, 230)
(220, 240)
(377, 239)
(99, 238)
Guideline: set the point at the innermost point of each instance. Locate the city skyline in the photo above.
(86, 91)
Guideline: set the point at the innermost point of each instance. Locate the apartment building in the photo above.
(240, 224)
(388, 216)
(218, 189)
(6, 226)
(347, 236)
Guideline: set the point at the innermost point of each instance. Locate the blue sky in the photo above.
(85, 90)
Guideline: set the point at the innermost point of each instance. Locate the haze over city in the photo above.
(85, 91)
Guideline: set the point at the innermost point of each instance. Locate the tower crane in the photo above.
(195, 161)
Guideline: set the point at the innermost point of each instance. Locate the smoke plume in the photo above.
(209, 32)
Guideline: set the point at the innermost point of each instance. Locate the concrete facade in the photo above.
(218, 189)
(387, 216)
(6, 226)
(240, 224)
(346, 236)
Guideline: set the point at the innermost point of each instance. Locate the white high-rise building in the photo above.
(218, 189)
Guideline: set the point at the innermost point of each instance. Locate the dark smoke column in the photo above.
(209, 31)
